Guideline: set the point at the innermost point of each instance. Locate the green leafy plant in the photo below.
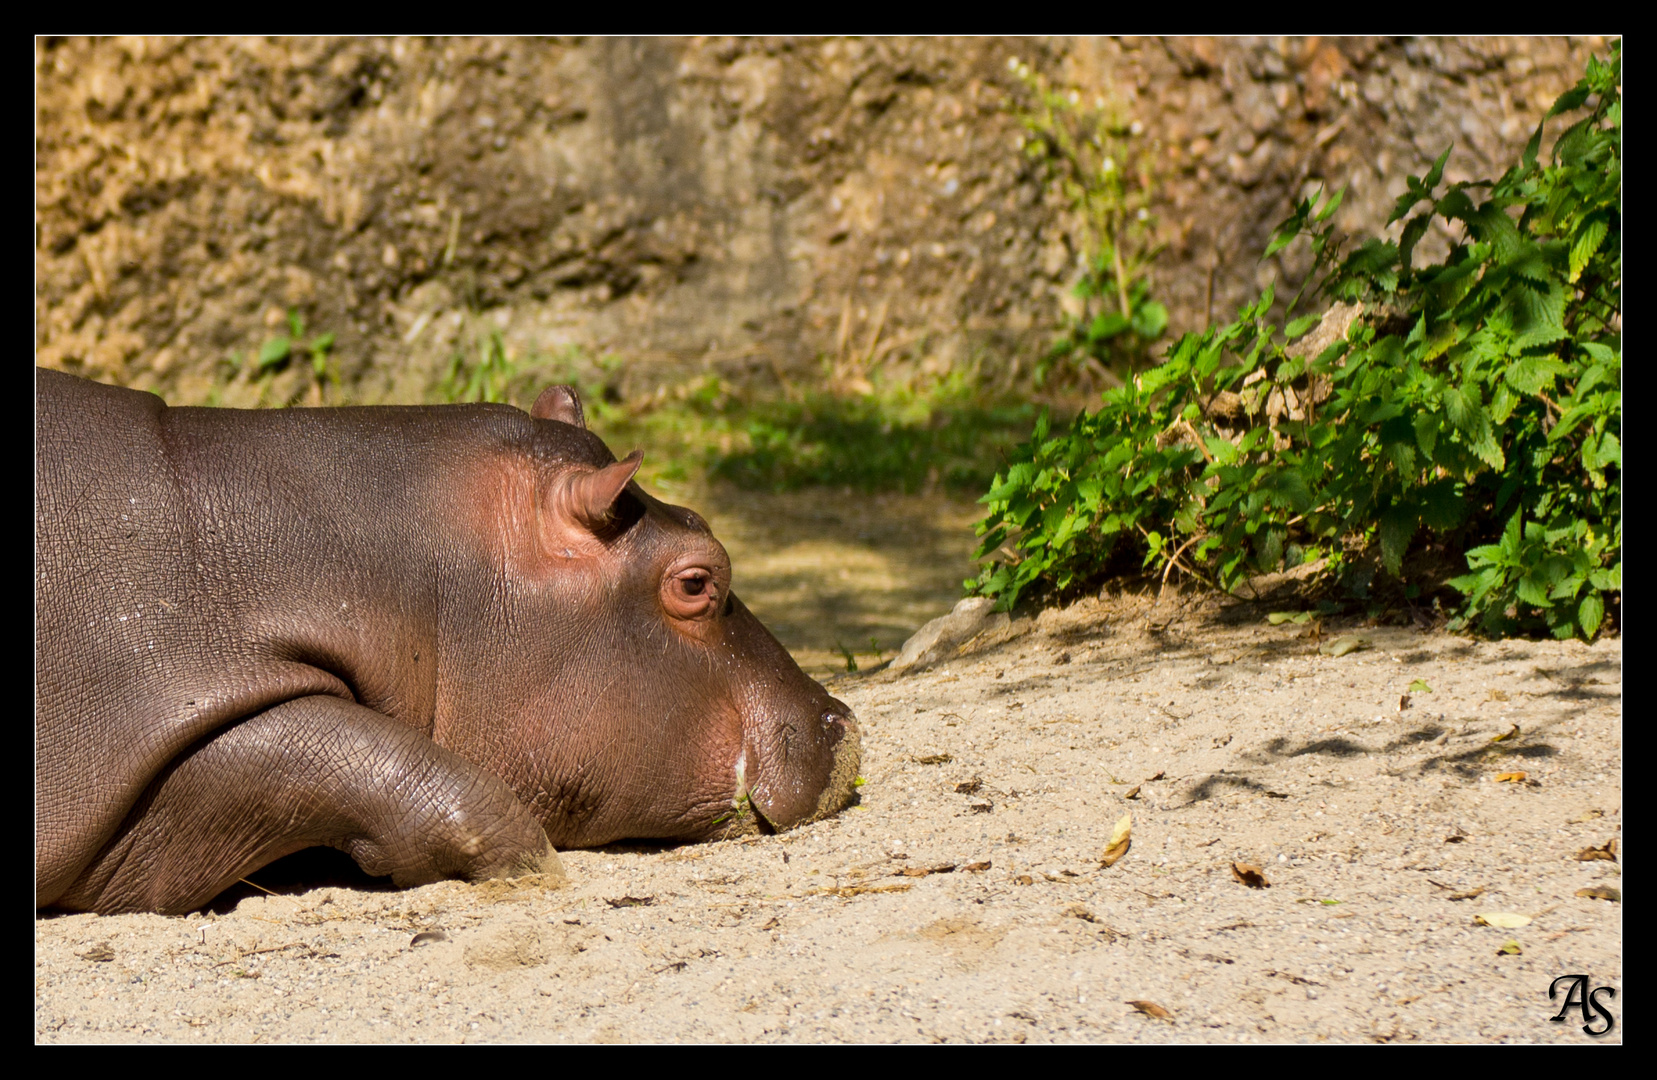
(486, 380)
(1477, 399)
(1103, 166)
(740, 808)
(278, 353)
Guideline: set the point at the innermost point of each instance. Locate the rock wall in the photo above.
(753, 207)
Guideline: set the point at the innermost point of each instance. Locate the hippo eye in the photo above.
(691, 593)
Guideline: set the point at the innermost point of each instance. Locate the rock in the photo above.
(939, 639)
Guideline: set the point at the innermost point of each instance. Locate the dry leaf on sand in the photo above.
(1606, 851)
(1120, 841)
(1344, 644)
(1249, 875)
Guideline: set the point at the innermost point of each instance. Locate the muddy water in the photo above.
(828, 570)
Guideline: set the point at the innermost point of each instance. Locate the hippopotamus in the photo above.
(444, 640)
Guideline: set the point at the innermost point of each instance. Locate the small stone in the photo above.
(939, 639)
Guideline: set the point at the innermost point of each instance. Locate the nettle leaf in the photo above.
(1590, 613)
(1610, 450)
(1375, 261)
(1414, 230)
(1533, 591)
(1486, 555)
(1491, 224)
(1588, 239)
(1292, 489)
(1330, 207)
(1538, 317)
(1442, 505)
(1485, 445)
(1380, 411)
(1602, 355)
(1284, 236)
(1502, 404)
(1574, 144)
(1533, 374)
(1156, 378)
(1402, 456)
(1531, 263)
(1444, 334)
(1106, 326)
(1455, 205)
(1150, 320)
(1426, 426)
(1267, 298)
(1398, 525)
(1300, 326)
(1570, 99)
(1463, 406)
(1268, 547)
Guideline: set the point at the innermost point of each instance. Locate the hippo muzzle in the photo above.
(783, 795)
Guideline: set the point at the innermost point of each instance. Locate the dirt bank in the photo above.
(964, 900)
(746, 206)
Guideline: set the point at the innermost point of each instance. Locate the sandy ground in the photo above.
(964, 899)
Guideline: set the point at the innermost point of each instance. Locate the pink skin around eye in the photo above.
(691, 593)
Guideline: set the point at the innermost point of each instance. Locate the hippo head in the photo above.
(648, 702)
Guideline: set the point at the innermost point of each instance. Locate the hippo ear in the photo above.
(587, 497)
(559, 403)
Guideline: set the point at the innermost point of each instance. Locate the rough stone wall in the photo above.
(747, 206)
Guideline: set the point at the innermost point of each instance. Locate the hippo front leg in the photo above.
(313, 772)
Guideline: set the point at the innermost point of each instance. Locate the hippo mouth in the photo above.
(758, 807)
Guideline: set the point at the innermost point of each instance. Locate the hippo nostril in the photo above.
(838, 715)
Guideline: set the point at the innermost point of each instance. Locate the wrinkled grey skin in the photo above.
(433, 638)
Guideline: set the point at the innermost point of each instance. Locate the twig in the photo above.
(880, 324)
(1214, 268)
(845, 332)
(1198, 439)
(1172, 560)
(454, 239)
(1121, 281)
(269, 949)
(1331, 131)
(1175, 558)
(1208, 301)
(278, 895)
